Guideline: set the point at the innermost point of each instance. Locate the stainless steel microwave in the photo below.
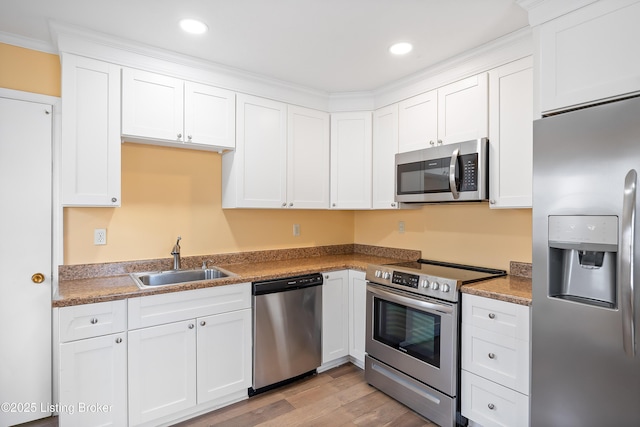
(446, 173)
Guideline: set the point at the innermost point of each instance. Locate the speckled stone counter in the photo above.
(91, 283)
(514, 288)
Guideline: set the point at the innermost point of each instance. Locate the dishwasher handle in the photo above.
(286, 284)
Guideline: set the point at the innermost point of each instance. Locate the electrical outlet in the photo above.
(400, 227)
(100, 236)
(296, 229)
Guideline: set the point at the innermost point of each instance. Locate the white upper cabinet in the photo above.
(589, 55)
(511, 134)
(351, 146)
(307, 158)
(418, 122)
(385, 147)
(90, 132)
(453, 113)
(165, 110)
(255, 174)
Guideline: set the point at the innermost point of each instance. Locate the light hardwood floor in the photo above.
(337, 397)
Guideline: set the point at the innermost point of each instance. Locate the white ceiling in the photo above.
(328, 45)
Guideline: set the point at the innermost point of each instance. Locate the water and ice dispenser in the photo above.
(582, 259)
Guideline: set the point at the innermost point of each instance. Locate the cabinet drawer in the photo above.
(173, 307)
(496, 357)
(92, 320)
(501, 317)
(490, 404)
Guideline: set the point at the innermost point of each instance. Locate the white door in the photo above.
(463, 110)
(418, 122)
(357, 315)
(335, 315)
(209, 116)
(25, 306)
(385, 147)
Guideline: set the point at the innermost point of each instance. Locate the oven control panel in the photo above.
(422, 284)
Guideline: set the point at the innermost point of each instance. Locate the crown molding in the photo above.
(541, 11)
(27, 43)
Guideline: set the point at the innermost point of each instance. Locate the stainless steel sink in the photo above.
(175, 277)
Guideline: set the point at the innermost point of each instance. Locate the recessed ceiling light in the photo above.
(193, 26)
(401, 48)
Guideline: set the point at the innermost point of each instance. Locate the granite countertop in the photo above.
(514, 288)
(108, 282)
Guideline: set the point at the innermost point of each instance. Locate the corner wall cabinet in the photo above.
(93, 364)
(495, 362)
(351, 145)
(384, 149)
(452, 113)
(160, 109)
(281, 158)
(90, 132)
(511, 134)
(589, 55)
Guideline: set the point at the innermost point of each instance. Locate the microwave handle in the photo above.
(452, 174)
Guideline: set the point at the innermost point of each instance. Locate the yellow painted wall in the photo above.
(168, 192)
(29, 70)
(463, 233)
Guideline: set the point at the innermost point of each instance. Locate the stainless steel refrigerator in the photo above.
(586, 268)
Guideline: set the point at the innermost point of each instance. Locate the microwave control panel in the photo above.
(469, 172)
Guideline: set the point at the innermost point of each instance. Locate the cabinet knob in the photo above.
(191, 326)
(491, 406)
(393, 205)
(203, 323)
(492, 316)
(189, 137)
(492, 356)
(179, 136)
(334, 205)
(291, 204)
(439, 142)
(284, 205)
(114, 199)
(326, 276)
(493, 202)
(432, 143)
(37, 278)
(118, 340)
(94, 321)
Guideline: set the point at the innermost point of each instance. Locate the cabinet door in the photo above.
(308, 158)
(224, 354)
(463, 110)
(162, 371)
(335, 315)
(260, 158)
(590, 55)
(357, 315)
(385, 147)
(418, 122)
(209, 116)
(90, 132)
(152, 106)
(351, 160)
(94, 372)
(511, 134)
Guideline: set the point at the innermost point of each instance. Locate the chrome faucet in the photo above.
(176, 254)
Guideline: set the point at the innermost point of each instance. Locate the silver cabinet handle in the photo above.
(118, 340)
(203, 323)
(626, 260)
(452, 173)
(492, 356)
(94, 321)
(491, 406)
(191, 326)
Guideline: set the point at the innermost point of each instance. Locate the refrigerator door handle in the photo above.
(452, 173)
(627, 239)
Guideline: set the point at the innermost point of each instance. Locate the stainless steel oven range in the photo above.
(413, 334)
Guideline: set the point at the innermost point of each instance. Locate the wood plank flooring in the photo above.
(338, 397)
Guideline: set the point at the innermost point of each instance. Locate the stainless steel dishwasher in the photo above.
(287, 330)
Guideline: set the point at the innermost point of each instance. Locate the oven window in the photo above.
(411, 331)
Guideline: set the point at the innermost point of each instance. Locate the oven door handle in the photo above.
(410, 302)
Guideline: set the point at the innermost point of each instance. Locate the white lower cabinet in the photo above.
(93, 382)
(92, 364)
(495, 362)
(335, 316)
(357, 316)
